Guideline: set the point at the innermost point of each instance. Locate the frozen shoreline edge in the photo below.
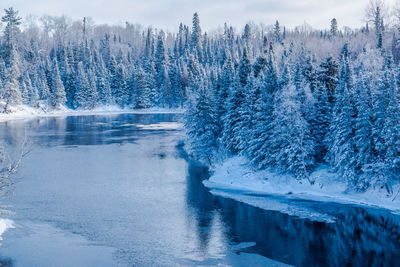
(235, 174)
(24, 112)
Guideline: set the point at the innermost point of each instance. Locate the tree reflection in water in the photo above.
(358, 237)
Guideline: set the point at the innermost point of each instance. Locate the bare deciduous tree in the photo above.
(10, 162)
(375, 12)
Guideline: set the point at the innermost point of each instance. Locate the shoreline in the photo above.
(235, 174)
(25, 113)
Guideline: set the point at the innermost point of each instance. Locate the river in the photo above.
(119, 190)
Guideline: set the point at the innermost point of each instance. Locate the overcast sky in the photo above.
(167, 14)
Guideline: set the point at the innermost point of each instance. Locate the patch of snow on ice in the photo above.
(161, 126)
(276, 204)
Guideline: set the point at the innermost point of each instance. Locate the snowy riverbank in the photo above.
(24, 112)
(4, 225)
(236, 174)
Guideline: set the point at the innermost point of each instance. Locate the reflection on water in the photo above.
(122, 186)
(88, 130)
(358, 237)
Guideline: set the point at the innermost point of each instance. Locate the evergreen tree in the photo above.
(334, 27)
(363, 137)
(244, 69)
(277, 32)
(391, 136)
(232, 119)
(11, 92)
(121, 94)
(260, 146)
(142, 90)
(103, 84)
(247, 112)
(292, 143)
(195, 40)
(320, 122)
(341, 145)
(85, 97)
(57, 91)
(328, 77)
(12, 21)
(201, 125)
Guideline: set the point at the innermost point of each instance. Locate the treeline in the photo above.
(293, 108)
(54, 61)
(80, 65)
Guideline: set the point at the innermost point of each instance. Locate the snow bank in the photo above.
(237, 174)
(25, 112)
(4, 225)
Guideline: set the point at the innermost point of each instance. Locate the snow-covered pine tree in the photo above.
(196, 37)
(391, 136)
(103, 84)
(24, 91)
(292, 143)
(248, 112)
(11, 93)
(121, 94)
(260, 148)
(200, 122)
(244, 68)
(380, 102)
(334, 28)
(365, 159)
(57, 91)
(148, 68)
(85, 98)
(13, 21)
(328, 77)
(226, 79)
(277, 32)
(262, 60)
(341, 145)
(320, 122)
(142, 89)
(32, 92)
(233, 118)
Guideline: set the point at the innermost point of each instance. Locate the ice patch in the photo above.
(273, 204)
(37, 244)
(243, 245)
(161, 126)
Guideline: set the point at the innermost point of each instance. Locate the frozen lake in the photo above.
(118, 190)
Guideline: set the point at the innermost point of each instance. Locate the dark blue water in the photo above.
(119, 191)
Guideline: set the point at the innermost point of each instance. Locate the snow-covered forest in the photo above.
(293, 100)
(288, 99)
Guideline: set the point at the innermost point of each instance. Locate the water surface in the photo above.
(119, 190)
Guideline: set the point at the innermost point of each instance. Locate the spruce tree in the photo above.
(341, 149)
(196, 37)
(200, 122)
(85, 97)
(13, 21)
(365, 159)
(11, 92)
(57, 91)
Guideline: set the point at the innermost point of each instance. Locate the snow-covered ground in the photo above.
(236, 174)
(4, 225)
(25, 112)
